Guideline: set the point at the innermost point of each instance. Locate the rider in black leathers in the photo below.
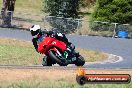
(36, 32)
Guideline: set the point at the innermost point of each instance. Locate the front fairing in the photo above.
(49, 43)
(44, 43)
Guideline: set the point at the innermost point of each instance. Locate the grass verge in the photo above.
(19, 52)
(52, 78)
(32, 84)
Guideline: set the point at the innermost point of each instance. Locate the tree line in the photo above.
(119, 11)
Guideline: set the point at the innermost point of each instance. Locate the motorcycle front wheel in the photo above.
(58, 59)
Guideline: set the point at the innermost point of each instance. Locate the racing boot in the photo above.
(47, 61)
(44, 62)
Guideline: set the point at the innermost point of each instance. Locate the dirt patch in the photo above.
(14, 42)
(9, 75)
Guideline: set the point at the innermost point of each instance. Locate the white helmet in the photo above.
(35, 30)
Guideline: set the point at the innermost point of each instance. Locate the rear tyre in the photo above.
(61, 61)
(47, 61)
(80, 61)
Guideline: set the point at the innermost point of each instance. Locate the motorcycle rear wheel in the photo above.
(80, 61)
(61, 61)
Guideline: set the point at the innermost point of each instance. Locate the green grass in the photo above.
(22, 52)
(36, 4)
(61, 84)
(18, 55)
(18, 52)
(33, 6)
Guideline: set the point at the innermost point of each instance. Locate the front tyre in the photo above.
(58, 59)
(80, 61)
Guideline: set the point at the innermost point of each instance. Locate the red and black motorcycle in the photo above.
(57, 52)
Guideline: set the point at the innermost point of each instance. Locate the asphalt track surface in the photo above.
(117, 46)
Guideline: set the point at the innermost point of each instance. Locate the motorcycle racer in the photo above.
(37, 33)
